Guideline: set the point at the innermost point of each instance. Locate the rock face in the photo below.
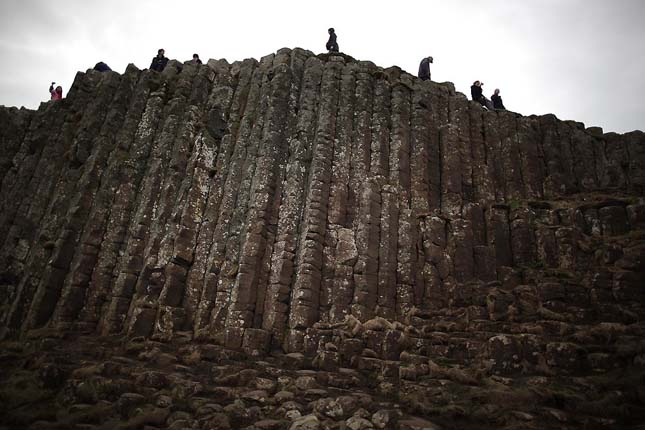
(356, 215)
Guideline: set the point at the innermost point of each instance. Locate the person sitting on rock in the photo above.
(477, 93)
(332, 46)
(424, 69)
(159, 62)
(497, 100)
(196, 59)
(56, 94)
(102, 67)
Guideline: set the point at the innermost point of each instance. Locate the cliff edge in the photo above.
(330, 215)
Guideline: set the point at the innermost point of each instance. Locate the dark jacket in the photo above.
(497, 102)
(102, 67)
(158, 63)
(424, 69)
(331, 43)
(476, 93)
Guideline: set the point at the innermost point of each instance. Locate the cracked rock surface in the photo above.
(310, 242)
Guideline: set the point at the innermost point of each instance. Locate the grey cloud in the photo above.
(581, 60)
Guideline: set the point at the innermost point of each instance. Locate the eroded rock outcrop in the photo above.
(326, 206)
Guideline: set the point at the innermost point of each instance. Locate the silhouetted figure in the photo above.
(476, 92)
(497, 100)
(159, 62)
(196, 59)
(424, 69)
(102, 67)
(56, 94)
(332, 46)
(478, 96)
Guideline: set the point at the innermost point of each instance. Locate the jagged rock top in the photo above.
(325, 206)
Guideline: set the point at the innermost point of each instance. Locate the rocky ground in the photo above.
(93, 382)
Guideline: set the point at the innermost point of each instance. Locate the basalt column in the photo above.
(316, 203)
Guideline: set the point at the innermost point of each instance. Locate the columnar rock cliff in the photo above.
(323, 205)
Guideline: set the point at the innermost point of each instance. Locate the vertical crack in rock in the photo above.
(133, 201)
(199, 299)
(89, 207)
(305, 295)
(303, 105)
(214, 302)
(249, 290)
(113, 209)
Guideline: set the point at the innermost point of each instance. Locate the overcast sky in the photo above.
(579, 59)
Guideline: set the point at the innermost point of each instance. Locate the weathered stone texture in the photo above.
(325, 206)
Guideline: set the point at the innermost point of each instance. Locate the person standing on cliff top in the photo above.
(56, 94)
(332, 46)
(196, 59)
(424, 69)
(159, 62)
(497, 100)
